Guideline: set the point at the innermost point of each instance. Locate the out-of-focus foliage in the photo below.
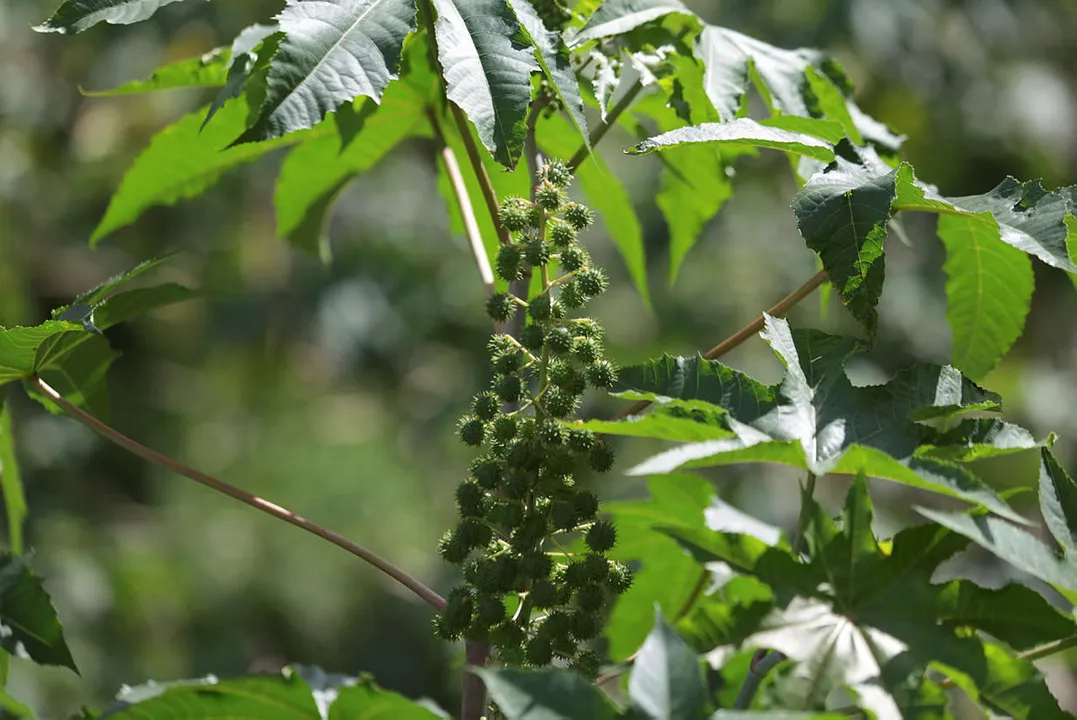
(328, 389)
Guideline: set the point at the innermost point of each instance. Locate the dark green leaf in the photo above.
(96, 295)
(1015, 686)
(332, 53)
(487, 63)
(74, 16)
(739, 132)
(130, 304)
(815, 419)
(727, 616)
(1058, 501)
(210, 70)
(617, 17)
(11, 482)
(366, 701)
(75, 364)
(604, 193)
(182, 162)
(553, 56)
(842, 214)
(545, 694)
(976, 439)
(27, 617)
(667, 681)
(251, 52)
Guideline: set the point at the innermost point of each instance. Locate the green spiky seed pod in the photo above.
(472, 430)
(586, 625)
(602, 536)
(602, 375)
(473, 532)
(601, 457)
(487, 471)
(471, 499)
(596, 569)
(579, 216)
(561, 233)
(586, 350)
(500, 307)
(452, 548)
(573, 258)
(557, 173)
(506, 570)
(515, 213)
(508, 362)
(620, 578)
(563, 516)
(544, 594)
(586, 327)
(489, 610)
(505, 428)
(506, 514)
(507, 635)
(509, 263)
(509, 388)
(443, 631)
(536, 565)
(592, 281)
(532, 336)
(557, 310)
(537, 253)
(539, 651)
(575, 576)
(580, 440)
(539, 308)
(459, 609)
(529, 533)
(591, 597)
(500, 343)
(550, 197)
(551, 433)
(571, 297)
(485, 405)
(585, 505)
(570, 380)
(587, 663)
(560, 403)
(559, 340)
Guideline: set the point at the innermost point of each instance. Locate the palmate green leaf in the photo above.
(333, 51)
(27, 617)
(251, 52)
(616, 17)
(978, 439)
(667, 681)
(605, 194)
(316, 171)
(553, 56)
(872, 621)
(297, 693)
(209, 70)
(739, 132)
(487, 61)
(74, 16)
(815, 419)
(545, 694)
(181, 163)
(11, 482)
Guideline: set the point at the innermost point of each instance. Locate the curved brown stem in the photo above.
(781, 308)
(422, 591)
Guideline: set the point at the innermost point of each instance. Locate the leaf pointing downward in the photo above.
(487, 63)
(333, 52)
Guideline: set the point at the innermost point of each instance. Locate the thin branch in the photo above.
(611, 118)
(432, 598)
(485, 184)
(463, 201)
(762, 663)
(779, 310)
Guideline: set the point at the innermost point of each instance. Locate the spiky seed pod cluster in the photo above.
(532, 601)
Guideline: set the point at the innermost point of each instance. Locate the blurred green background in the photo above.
(333, 390)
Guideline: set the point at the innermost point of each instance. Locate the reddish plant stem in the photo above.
(780, 309)
(422, 591)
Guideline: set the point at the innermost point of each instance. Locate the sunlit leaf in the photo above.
(739, 132)
(487, 61)
(332, 53)
(209, 70)
(74, 16)
(616, 17)
(667, 681)
(18, 347)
